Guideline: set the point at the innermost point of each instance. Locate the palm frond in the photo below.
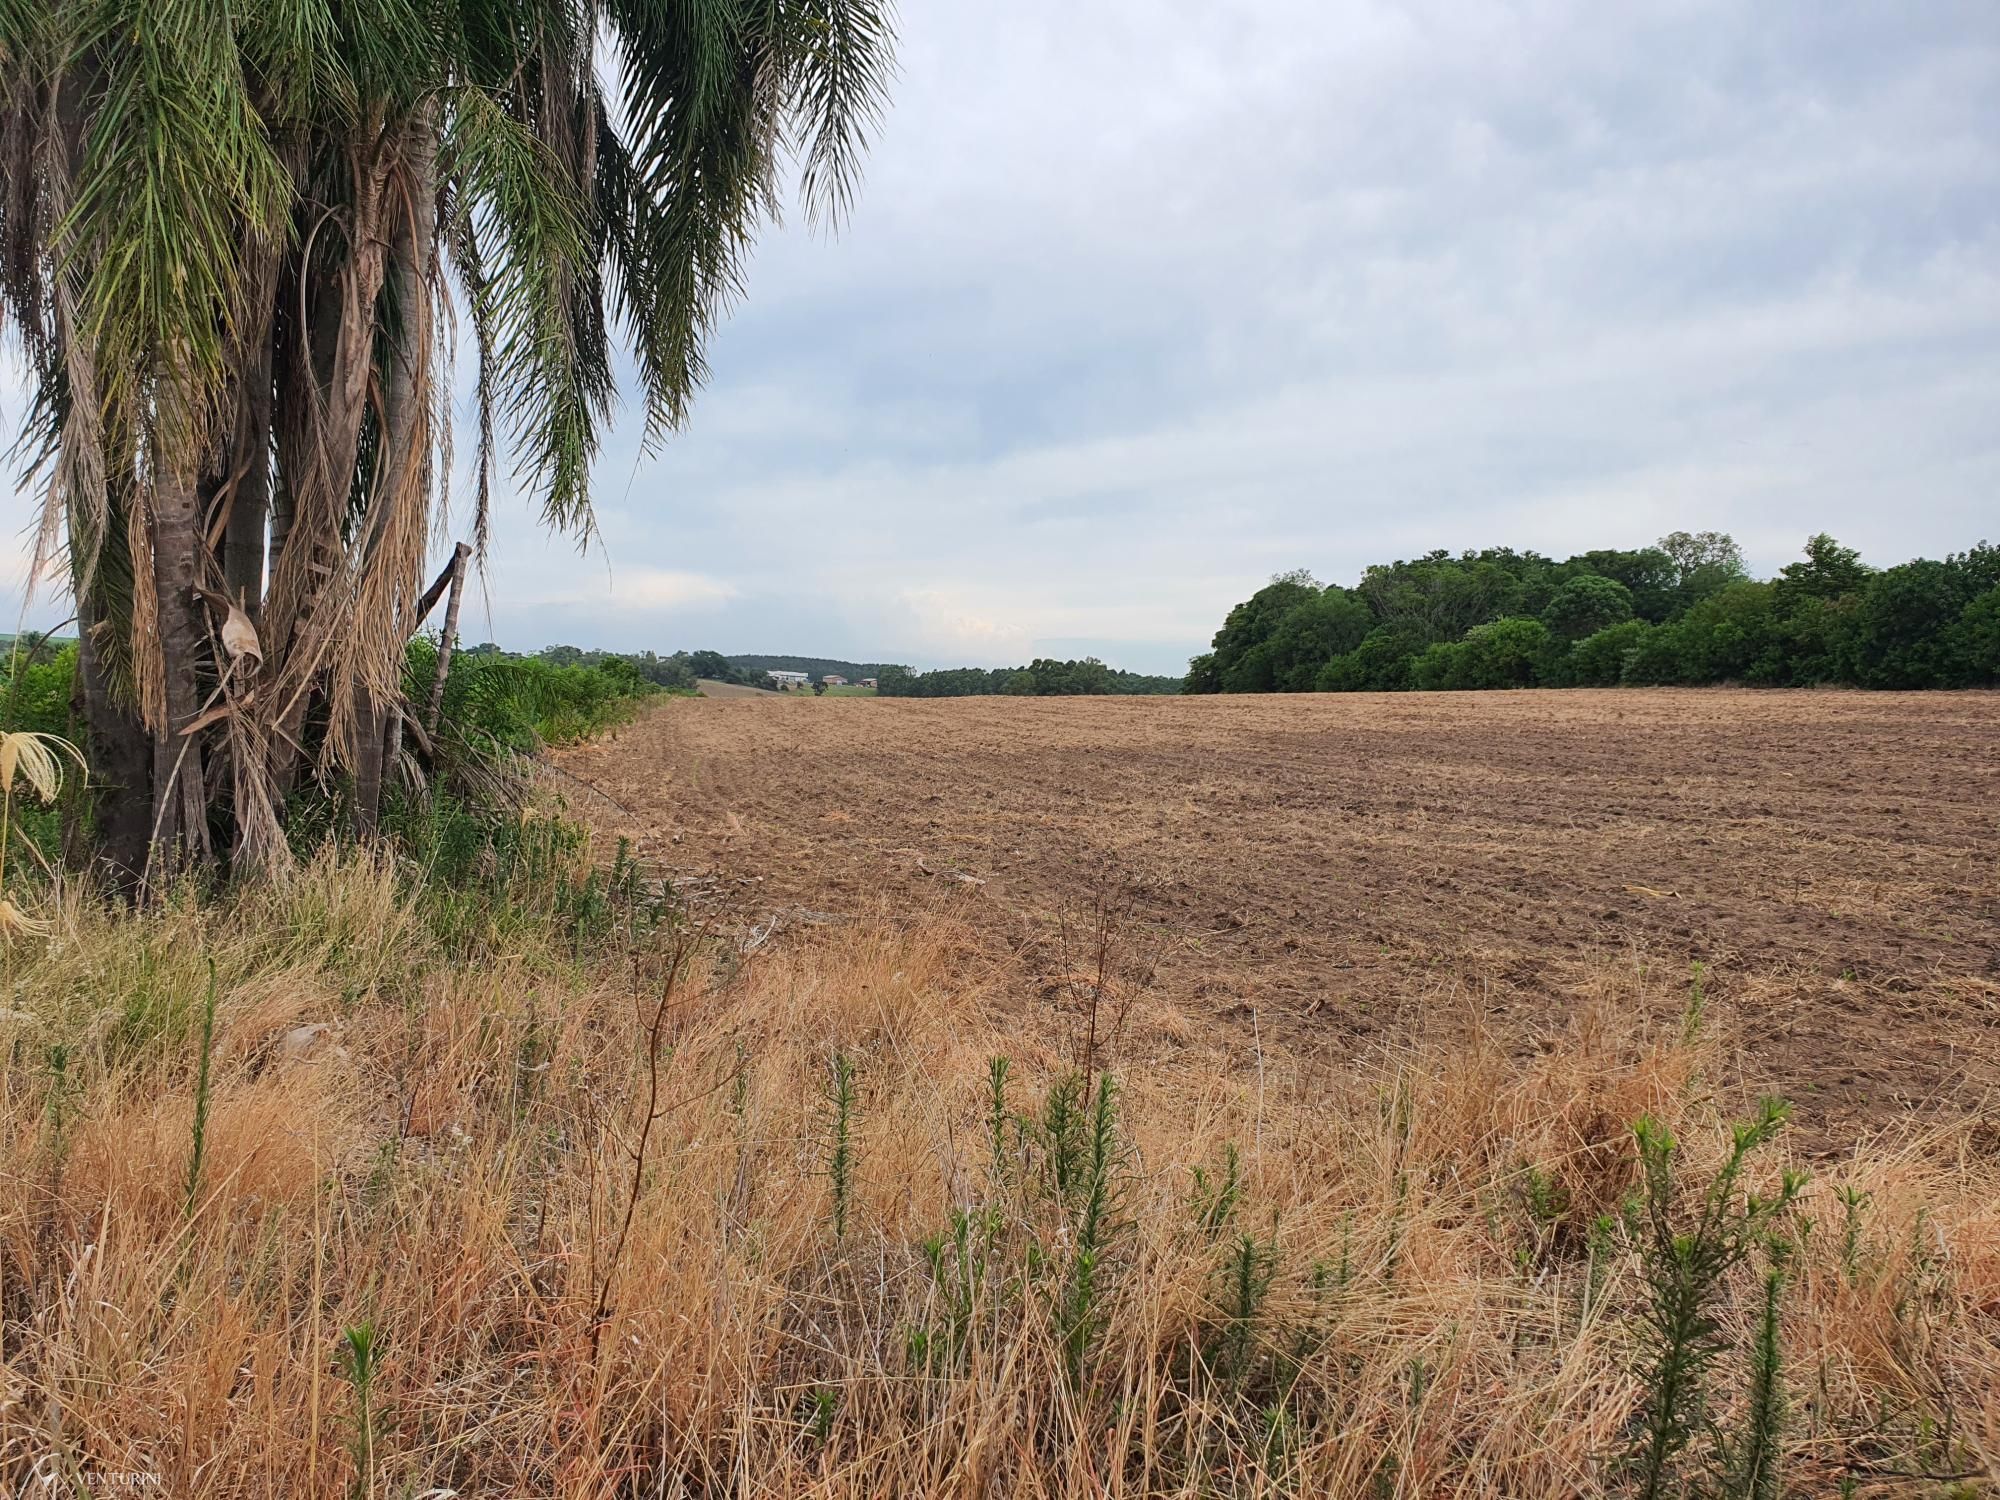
(288, 50)
(840, 60)
(520, 239)
(174, 164)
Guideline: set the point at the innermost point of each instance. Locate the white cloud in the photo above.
(655, 591)
(1147, 299)
(946, 616)
(665, 591)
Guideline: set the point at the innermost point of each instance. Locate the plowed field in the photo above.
(1329, 873)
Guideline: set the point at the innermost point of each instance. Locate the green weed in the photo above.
(199, 1134)
(1685, 1257)
(840, 1143)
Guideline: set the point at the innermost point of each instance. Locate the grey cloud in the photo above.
(1145, 300)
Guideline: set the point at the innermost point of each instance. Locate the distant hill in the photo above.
(34, 637)
(812, 666)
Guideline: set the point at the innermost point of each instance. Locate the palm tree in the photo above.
(240, 242)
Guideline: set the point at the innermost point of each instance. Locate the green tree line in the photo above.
(1684, 611)
(683, 668)
(1040, 678)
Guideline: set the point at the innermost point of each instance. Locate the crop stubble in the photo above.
(1329, 873)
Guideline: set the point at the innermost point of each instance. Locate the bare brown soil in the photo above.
(1334, 873)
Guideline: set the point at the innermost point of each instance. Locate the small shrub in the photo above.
(1247, 1274)
(198, 1142)
(1686, 1259)
(1094, 1225)
(1215, 1201)
(360, 1363)
(1753, 1467)
(840, 1142)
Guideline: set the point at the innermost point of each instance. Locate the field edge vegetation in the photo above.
(476, 1168)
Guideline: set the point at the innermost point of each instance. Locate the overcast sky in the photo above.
(1146, 300)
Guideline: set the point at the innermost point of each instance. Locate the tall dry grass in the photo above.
(1420, 1282)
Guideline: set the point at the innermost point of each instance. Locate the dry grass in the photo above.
(449, 1162)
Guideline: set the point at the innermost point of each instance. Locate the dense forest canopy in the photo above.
(1685, 611)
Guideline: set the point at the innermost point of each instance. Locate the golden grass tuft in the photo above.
(448, 1161)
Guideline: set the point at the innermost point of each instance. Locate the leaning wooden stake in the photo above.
(457, 592)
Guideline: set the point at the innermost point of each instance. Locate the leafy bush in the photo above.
(1731, 636)
(1318, 630)
(1813, 634)
(1500, 655)
(1242, 662)
(35, 685)
(675, 673)
(1906, 629)
(1586, 605)
(519, 704)
(1380, 664)
(1599, 659)
(1977, 637)
(498, 712)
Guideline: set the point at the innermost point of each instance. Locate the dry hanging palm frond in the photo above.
(239, 636)
(149, 673)
(261, 847)
(16, 924)
(37, 759)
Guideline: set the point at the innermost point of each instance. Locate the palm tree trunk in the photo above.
(319, 437)
(402, 494)
(120, 753)
(180, 812)
(365, 809)
(111, 833)
(238, 481)
(392, 743)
